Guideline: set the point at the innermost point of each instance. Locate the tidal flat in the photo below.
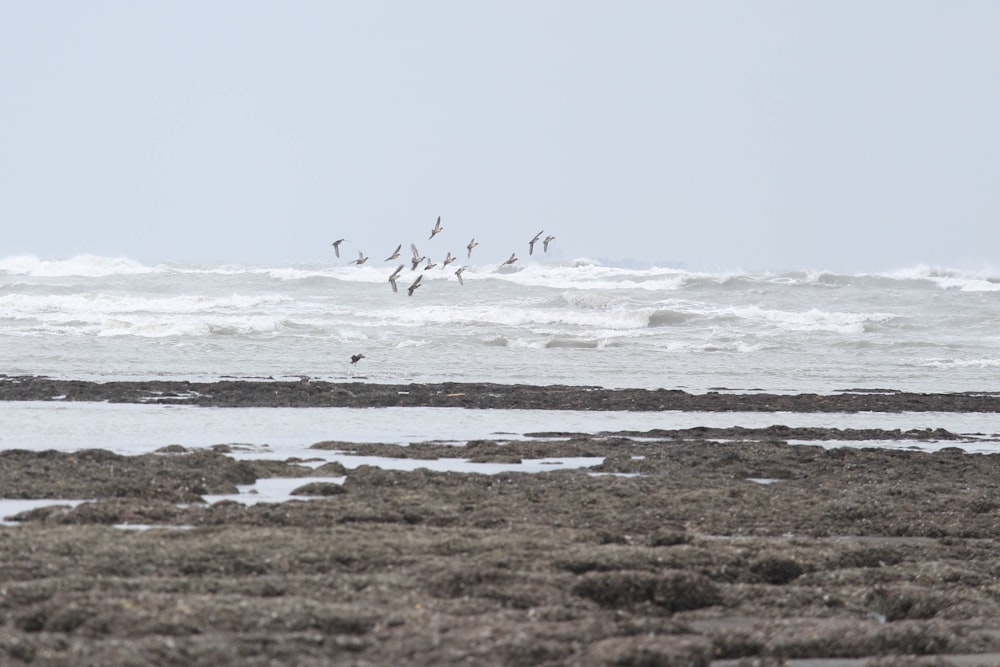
(683, 547)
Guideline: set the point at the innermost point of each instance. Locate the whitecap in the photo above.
(947, 278)
(90, 266)
(813, 319)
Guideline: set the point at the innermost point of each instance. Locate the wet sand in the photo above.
(689, 547)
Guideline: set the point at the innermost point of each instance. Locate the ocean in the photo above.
(541, 322)
(547, 322)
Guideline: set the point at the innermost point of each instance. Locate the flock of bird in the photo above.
(418, 258)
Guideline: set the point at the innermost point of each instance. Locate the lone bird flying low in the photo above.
(532, 242)
(395, 274)
(336, 246)
(414, 286)
(458, 272)
(472, 244)
(394, 255)
(511, 259)
(437, 228)
(355, 358)
(361, 259)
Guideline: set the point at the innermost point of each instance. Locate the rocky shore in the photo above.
(312, 393)
(690, 547)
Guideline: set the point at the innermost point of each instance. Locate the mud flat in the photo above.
(694, 547)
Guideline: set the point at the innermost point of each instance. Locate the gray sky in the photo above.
(851, 135)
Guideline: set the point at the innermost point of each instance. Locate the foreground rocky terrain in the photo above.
(696, 547)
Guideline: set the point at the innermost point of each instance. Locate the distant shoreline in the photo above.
(477, 395)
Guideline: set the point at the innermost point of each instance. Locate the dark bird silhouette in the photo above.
(417, 257)
(458, 272)
(545, 243)
(361, 259)
(355, 358)
(437, 228)
(415, 285)
(394, 255)
(511, 260)
(448, 260)
(395, 274)
(532, 242)
(430, 264)
(472, 244)
(336, 246)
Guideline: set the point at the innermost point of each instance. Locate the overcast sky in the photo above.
(849, 135)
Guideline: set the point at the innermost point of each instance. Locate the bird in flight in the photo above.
(458, 272)
(430, 264)
(511, 260)
(472, 244)
(415, 285)
(437, 228)
(394, 255)
(532, 242)
(361, 259)
(395, 274)
(336, 246)
(417, 257)
(545, 243)
(448, 260)
(355, 358)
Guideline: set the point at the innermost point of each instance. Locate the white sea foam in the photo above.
(90, 303)
(809, 320)
(97, 314)
(966, 281)
(513, 316)
(584, 274)
(80, 265)
(992, 362)
(589, 300)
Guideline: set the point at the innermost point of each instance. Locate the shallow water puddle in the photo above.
(11, 506)
(271, 490)
(279, 489)
(986, 445)
(140, 428)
